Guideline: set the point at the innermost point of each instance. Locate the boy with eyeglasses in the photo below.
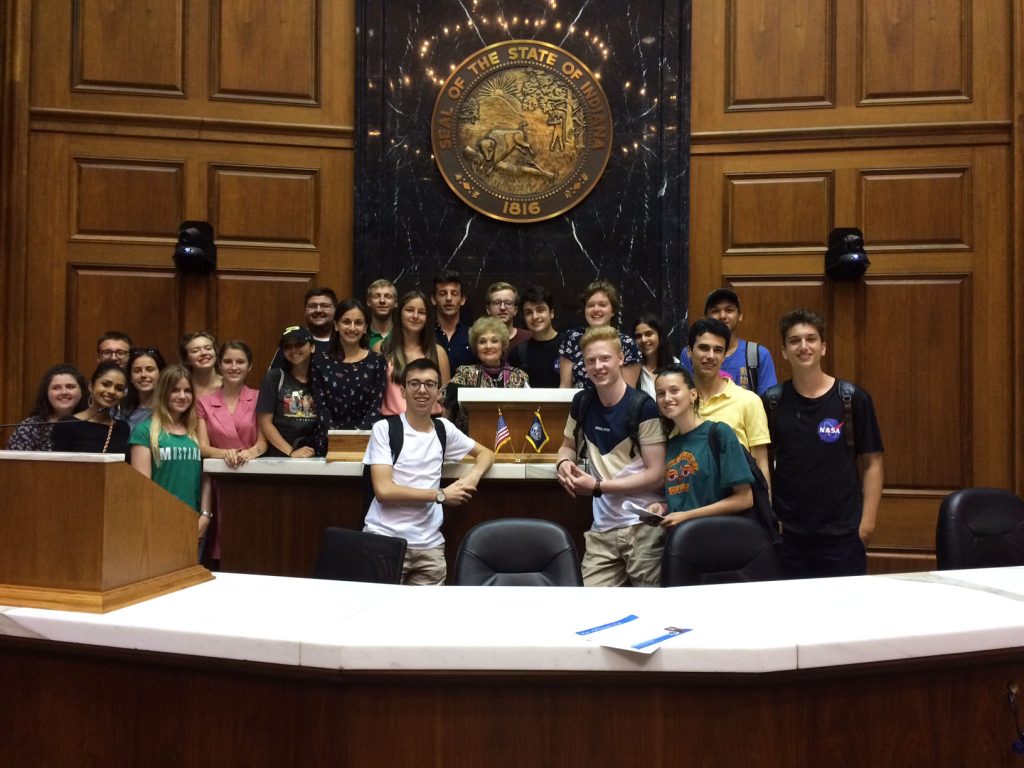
(407, 487)
(503, 303)
(113, 347)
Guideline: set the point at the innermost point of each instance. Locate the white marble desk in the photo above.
(742, 628)
(259, 670)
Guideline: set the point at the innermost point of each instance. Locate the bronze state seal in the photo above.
(522, 131)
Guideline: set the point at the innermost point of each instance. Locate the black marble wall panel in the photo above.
(632, 229)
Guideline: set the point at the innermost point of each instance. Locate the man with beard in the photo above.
(319, 307)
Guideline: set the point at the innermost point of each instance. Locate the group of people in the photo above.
(682, 456)
(663, 432)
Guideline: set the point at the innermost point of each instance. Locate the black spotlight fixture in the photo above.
(195, 253)
(846, 259)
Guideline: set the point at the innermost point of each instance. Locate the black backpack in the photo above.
(396, 439)
(581, 404)
(762, 512)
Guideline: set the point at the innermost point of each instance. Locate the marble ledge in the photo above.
(322, 468)
(736, 628)
(78, 458)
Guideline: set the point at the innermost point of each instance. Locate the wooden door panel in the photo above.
(914, 333)
(925, 331)
(140, 302)
(256, 308)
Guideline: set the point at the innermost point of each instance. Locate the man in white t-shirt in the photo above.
(407, 490)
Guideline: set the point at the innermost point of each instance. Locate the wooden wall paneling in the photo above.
(15, 31)
(106, 222)
(990, 354)
(256, 308)
(917, 208)
(45, 295)
(265, 51)
(914, 332)
(267, 205)
(1017, 238)
(140, 302)
(777, 212)
(284, 68)
(913, 51)
(119, 47)
(857, 64)
(762, 72)
(121, 198)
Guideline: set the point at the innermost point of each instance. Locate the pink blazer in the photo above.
(230, 430)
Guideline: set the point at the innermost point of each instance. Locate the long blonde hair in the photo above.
(161, 417)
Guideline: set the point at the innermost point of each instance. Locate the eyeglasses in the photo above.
(110, 354)
(503, 303)
(322, 305)
(430, 386)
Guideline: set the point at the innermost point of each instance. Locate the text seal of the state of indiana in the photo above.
(522, 131)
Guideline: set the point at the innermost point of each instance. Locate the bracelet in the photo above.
(206, 513)
(557, 465)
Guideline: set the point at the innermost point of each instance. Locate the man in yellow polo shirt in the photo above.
(720, 398)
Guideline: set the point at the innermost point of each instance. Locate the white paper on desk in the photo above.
(639, 511)
(631, 633)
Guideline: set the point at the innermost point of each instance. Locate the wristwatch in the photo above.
(440, 498)
(597, 490)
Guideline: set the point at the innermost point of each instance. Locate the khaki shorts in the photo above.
(623, 555)
(424, 567)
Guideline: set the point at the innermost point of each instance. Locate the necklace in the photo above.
(110, 431)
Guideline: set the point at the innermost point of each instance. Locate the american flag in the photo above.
(501, 433)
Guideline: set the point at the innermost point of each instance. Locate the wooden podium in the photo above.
(86, 532)
(518, 407)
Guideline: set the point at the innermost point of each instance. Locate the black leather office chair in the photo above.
(722, 549)
(347, 555)
(516, 552)
(980, 528)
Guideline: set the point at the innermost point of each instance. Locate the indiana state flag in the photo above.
(537, 436)
(501, 433)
